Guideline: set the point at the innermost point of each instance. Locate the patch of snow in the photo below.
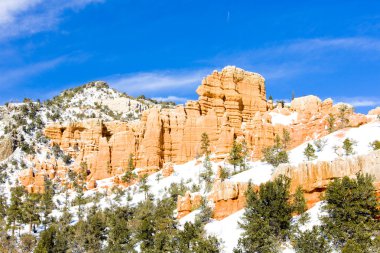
(258, 173)
(281, 119)
(362, 136)
(227, 229)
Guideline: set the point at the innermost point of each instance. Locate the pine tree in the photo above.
(129, 175)
(96, 230)
(131, 163)
(223, 173)
(144, 185)
(46, 241)
(15, 210)
(309, 152)
(275, 155)
(205, 144)
(119, 235)
(27, 242)
(299, 203)
(235, 157)
(285, 138)
(192, 239)
(165, 225)
(31, 208)
(3, 207)
(257, 234)
(375, 145)
(143, 225)
(266, 220)
(352, 209)
(205, 212)
(342, 115)
(331, 123)
(47, 203)
(348, 146)
(207, 172)
(313, 241)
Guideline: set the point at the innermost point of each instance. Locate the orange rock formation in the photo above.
(314, 177)
(232, 103)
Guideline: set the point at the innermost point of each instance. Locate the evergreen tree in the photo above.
(235, 157)
(3, 207)
(15, 210)
(348, 146)
(128, 176)
(205, 144)
(119, 236)
(27, 243)
(266, 220)
(275, 155)
(352, 209)
(144, 185)
(165, 225)
(47, 203)
(309, 152)
(192, 239)
(375, 145)
(131, 163)
(331, 123)
(143, 225)
(223, 173)
(207, 172)
(313, 241)
(46, 241)
(64, 232)
(342, 115)
(31, 208)
(205, 212)
(299, 202)
(257, 234)
(95, 230)
(285, 138)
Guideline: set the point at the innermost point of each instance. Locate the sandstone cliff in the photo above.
(314, 177)
(232, 103)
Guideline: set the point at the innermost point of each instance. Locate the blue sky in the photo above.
(163, 48)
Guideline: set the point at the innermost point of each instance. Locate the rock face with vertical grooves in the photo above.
(314, 177)
(232, 104)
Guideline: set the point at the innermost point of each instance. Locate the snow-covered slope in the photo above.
(23, 123)
(332, 144)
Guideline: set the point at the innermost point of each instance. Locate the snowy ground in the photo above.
(362, 136)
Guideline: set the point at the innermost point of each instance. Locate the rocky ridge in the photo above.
(232, 104)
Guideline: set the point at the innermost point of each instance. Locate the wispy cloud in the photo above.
(178, 100)
(27, 17)
(157, 81)
(360, 101)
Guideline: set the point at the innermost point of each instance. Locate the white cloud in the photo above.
(360, 101)
(157, 81)
(26, 17)
(178, 100)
